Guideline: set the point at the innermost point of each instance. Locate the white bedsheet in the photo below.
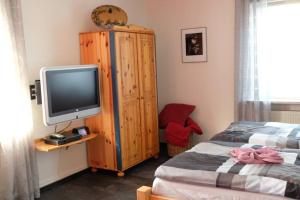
(182, 191)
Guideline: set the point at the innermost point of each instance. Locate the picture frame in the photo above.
(194, 45)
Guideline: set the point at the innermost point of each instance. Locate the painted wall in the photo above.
(208, 85)
(51, 35)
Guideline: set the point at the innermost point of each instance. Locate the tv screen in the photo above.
(69, 92)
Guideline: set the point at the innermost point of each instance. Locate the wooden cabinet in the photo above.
(127, 124)
(94, 49)
(148, 94)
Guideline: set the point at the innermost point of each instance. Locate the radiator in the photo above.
(292, 117)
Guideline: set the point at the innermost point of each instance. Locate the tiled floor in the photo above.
(104, 184)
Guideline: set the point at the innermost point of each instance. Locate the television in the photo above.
(69, 92)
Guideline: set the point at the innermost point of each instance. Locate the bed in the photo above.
(207, 171)
(275, 134)
(196, 192)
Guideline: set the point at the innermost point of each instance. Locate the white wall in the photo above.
(52, 30)
(208, 85)
(51, 36)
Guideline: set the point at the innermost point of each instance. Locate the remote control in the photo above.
(57, 136)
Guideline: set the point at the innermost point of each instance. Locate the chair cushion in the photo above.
(174, 112)
(194, 126)
(177, 135)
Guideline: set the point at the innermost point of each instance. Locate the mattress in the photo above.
(184, 191)
(210, 164)
(272, 134)
(208, 171)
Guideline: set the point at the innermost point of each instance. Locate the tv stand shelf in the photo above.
(40, 145)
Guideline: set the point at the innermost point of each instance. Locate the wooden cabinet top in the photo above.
(128, 28)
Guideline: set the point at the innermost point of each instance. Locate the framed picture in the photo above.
(194, 45)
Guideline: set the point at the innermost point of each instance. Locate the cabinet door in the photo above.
(128, 98)
(148, 94)
(94, 49)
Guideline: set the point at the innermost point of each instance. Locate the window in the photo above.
(279, 47)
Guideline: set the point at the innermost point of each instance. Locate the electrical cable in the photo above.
(62, 130)
(55, 128)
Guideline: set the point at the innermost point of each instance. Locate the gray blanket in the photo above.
(274, 134)
(210, 164)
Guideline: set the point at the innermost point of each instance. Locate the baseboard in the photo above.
(61, 176)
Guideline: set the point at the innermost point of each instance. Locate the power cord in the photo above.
(62, 130)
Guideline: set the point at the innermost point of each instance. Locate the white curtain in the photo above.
(251, 84)
(18, 167)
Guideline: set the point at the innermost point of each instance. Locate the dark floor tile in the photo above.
(104, 185)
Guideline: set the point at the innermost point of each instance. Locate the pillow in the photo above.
(177, 135)
(194, 126)
(174, 112)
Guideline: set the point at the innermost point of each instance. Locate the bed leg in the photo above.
(143, 193)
